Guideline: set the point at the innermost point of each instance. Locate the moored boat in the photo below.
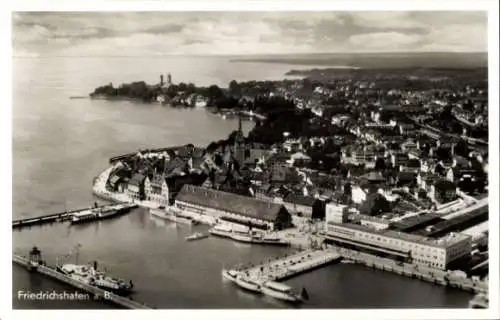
(247, 283)
(173, 214)
(196, 236)
(91, 276)
(99, 213)
(282, 292)
(247, 237)
(347, 261)
(229, 274)
(221, 231)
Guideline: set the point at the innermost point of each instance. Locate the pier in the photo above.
(57, 217)
(292, 265)
(95, 292)
(115, 159)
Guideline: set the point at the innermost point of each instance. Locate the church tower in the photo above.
(239, 145)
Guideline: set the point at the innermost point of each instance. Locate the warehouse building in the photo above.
(222, 205)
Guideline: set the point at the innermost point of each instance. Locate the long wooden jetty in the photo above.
(56, 217)
(95, 292)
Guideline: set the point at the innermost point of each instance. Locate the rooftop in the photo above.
(444, 242)
(241, 205)
(415, 221)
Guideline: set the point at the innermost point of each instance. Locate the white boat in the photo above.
(246, 283)
(280, 291)
(221, 231)
(84, 216)
(99, 213)
(242, 237)
(173, 214)
(347, 261)
(91, 276)
(270, 239)
(196, 236)
(230, 274)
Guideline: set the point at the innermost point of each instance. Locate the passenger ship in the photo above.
(98, 214)
(247, 237)
(91, 276)
(173, 214)
(283, 292)
(247, 283)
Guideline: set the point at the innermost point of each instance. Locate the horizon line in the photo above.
(247, 55)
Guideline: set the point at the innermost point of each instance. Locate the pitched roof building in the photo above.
(224, 204)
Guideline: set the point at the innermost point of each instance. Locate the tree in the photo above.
(212, 146)
(234, 88)
(214, 92)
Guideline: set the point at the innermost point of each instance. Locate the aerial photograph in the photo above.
(250, 160)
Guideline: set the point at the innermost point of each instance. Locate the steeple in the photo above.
(239, 144)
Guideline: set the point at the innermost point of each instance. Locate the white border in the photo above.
(245, 5)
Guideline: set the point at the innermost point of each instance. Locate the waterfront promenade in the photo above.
(99, 189)
(95, 292)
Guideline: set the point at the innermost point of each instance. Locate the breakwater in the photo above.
(96, 293)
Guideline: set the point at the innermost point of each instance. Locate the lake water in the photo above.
(59, 145)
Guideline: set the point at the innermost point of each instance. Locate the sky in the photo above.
(244, 33)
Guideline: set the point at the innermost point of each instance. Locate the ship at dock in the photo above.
(100, 213)
(91, 276)
(283, 292)
(252, 237)
(173, 214)
(247, 283)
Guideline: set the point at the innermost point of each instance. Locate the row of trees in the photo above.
(135, 90)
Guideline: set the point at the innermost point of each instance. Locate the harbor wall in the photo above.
(437, 276)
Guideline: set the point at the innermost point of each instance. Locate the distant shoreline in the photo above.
(441, 60)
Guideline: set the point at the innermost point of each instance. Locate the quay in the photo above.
(437, 276)
(292, 265)
(115, 159)
(56, 217)
(95, 292)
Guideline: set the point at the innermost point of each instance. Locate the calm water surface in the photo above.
(59, 145)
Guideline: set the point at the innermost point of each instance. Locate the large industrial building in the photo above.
(442, 253)
(246, 211)
(437, 253)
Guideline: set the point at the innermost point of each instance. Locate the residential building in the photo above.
(135, 187)
(156, 190)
